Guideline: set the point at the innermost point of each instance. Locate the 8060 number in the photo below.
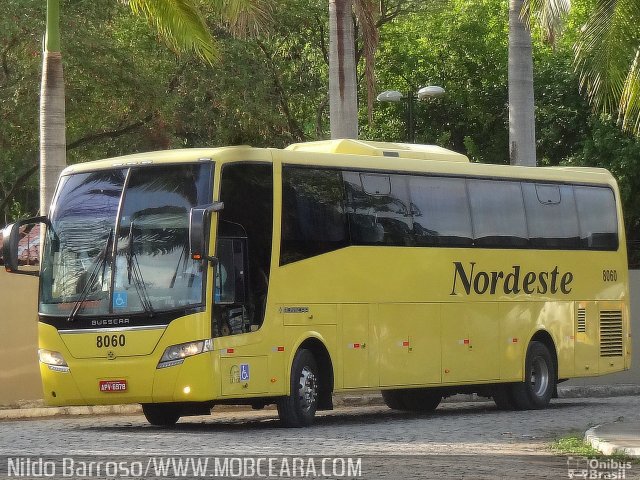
(106, 341)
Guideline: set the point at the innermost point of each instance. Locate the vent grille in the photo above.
(611, 344)
(582, 320)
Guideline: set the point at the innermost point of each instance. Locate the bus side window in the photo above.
(443, 206)
(313, 214)
(363, 225)
(497, 212)
(598, 218)
(378, 208)
(544, 205)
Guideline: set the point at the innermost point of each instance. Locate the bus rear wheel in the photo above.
(539, 379)
(298, 409)
(161, 415)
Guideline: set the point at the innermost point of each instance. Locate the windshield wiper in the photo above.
(100, 263)
(133, 269)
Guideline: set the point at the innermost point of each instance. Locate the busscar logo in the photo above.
(109, 322)
(472, 280)
(294, 309)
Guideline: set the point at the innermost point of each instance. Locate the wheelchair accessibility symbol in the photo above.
(244, 372)
(119, 299)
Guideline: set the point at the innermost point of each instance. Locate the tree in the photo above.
(343, 89)
(522, 136)
(607, 53)
(181, 25)
(550, 16)
(344, 57)
(132, 94)
(607, 57)
(53, 141)
(461, 46)
(345, 54)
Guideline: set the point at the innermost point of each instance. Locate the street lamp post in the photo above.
(393, 96)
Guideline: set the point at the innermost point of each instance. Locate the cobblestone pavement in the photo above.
(496, 444)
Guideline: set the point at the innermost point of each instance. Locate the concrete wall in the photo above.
(19, 373)
(20, 377)
(631, 376)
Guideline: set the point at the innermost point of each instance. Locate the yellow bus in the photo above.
(190, 278)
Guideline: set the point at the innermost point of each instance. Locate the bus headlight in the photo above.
(54, 360)
(175, 354)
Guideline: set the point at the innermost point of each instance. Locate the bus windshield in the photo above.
(117, 242)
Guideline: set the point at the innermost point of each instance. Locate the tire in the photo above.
(299, 408)
(161, 415)
(394, 399)
(502, 397)
(540, 379)
(421, 400)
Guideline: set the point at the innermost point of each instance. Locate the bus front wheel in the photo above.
(539, 379)
(161, 415)
(298, 409)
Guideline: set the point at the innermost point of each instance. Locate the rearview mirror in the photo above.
(199, 225)
(21, 246)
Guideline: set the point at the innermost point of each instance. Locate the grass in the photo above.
(573, 444)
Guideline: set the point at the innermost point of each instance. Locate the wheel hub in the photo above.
(308, 392)
(539, 377)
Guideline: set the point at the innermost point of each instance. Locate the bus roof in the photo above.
(380, 149)
(357, 154)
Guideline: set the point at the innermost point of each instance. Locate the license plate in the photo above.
(110, 386)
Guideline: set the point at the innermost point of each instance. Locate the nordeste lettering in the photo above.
(512, 282)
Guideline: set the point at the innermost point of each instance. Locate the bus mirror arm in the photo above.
(10, 240)
(199, 226)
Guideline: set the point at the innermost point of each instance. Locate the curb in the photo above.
(608, 447)
(43, 412)
(598, 391)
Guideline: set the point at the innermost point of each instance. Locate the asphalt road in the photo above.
(458, 440)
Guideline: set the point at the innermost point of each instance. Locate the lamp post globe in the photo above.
(393, 96)
(430, 91)
(390, 96)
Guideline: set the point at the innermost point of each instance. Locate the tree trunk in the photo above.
(52, 127)
(343, 92)
(522, 134)
(53, 143)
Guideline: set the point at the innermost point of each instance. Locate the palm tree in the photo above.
(181, 25)
(607, 53)
(607, 58)
(343, 89)
(522, 135)
(52, 114)
(550, 15)
(343, 84)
